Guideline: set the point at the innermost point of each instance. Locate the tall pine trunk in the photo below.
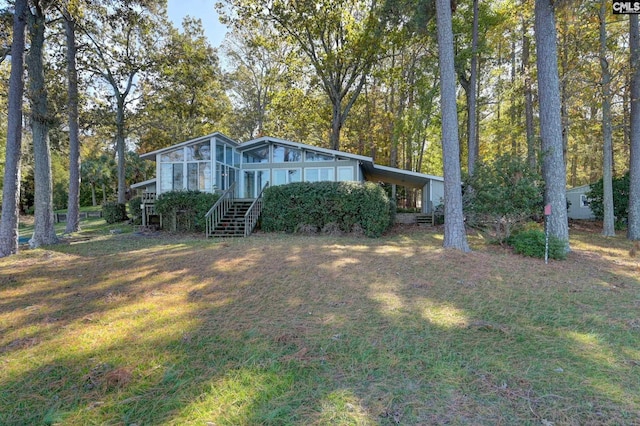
(454, 229)
(472, 101)
(633, 226)
(11, 183)
(73, 204)
(553, 169)
(608, 227)
(43, 228)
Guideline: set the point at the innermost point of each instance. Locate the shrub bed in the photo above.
(531, 242)
(185, 209)
(114, 212)
(317, 204)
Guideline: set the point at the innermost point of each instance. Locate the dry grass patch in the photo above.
(279, 329)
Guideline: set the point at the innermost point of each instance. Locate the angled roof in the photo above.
(372, 171)
(144, 183)
(152, 155)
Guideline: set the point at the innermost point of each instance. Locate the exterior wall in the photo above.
(578, 207)
(269, 168)
(209, 171)
(437, 193)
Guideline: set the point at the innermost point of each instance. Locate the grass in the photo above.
(280, 329)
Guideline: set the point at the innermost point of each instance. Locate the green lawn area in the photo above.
(284, 329)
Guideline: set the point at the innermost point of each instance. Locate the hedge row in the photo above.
(317, 204)
(185, 208)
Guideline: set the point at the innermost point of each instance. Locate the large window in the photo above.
(199, 176)
(284, 176)
(199, 152)
(177, 155)
(254, 181)
(259, 155)
(316, 156)
(171, 176)
(285, 154)
(319, 175)
(345, 174)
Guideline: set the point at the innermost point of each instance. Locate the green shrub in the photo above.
(531, 242)
(114, 212)
(135, 211)
(501, 195)
(317, 204)
(185, 208)
(620, 199)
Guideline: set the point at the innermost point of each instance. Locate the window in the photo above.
(199, 176)
(177, 155)
(284, 176)
(254, 181)
(259, 155)
(229, 157)
(199, 152)
(345, 174)
(319, 174)
(220, 152)
(285, 154)
(171, 175)
(316, 156)
(584, 201)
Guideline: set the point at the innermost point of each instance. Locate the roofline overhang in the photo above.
(152, 155)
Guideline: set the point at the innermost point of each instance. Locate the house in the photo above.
(241, 171)
(579, 203)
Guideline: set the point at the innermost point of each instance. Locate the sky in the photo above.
(203, 9)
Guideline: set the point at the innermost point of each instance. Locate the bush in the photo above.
(185, 208)
(502, 195)
(620, 199)
(531, 242)
(114, 212)
(345, 204)
(135, 211)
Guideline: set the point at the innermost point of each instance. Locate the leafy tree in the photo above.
(121, 35)
(43, 229)
(11, 181)
(454, 231)
(503, 194)
(186, 97)
(341, 38)
(620, 191)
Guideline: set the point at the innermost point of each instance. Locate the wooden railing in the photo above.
(219, 209)
(253, 214)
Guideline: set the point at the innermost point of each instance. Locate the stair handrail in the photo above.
(253, 213)
(219, 209)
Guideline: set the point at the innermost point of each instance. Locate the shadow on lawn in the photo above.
(280, 329)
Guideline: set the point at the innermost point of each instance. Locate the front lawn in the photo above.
(281, 329)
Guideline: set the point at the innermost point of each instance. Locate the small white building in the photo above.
(579, 203)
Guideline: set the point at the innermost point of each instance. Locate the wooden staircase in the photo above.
(425, 219)
(233, 222)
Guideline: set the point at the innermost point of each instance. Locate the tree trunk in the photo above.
(73, 204)
(528, 102)
(336, 125)
(633, 226)
(553, 169)
(472, 101)
(120, 149)
(94, 202)
(43, 229)
(454, 229)
(608, 227)
(11, 183)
